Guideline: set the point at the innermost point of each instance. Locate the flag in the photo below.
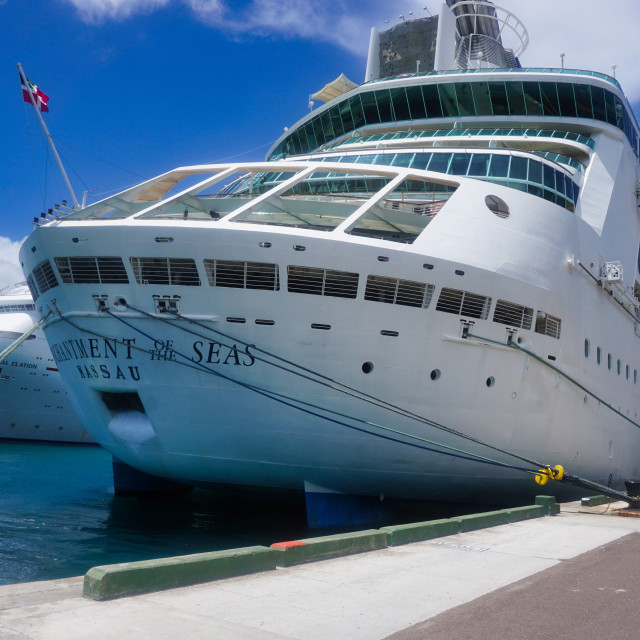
(40, 98)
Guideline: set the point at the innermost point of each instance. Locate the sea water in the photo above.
(59, 516)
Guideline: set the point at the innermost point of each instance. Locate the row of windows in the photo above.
(459, 99)
(12, 308)
(525, 174)
(456, 133)
(237, 274)
(618, 365)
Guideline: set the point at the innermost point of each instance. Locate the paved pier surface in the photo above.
(572, 576)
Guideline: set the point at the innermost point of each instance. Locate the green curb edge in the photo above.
(134, 578)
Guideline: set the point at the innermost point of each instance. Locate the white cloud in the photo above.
(594, 35)
(93, 11)
(10, 270)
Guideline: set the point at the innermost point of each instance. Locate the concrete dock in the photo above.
(574, 575)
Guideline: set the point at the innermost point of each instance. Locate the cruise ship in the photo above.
(426, 290)
(34, 404)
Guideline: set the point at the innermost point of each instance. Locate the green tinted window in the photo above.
(515, 97)
(567, 100)
(416, 103)
(384, 105)
(400, 104)
(465, 99)
(449, 100)
(518, 170)
(479, 164)
(499, 98)
(370, 108)
(499, 167)
(549, 99)
(432, 101)
(533, 101)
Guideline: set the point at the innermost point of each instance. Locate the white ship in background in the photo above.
(442, 258)
(34, 404)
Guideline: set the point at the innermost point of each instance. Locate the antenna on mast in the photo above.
(25, 84)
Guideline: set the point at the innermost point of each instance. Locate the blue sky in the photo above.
(138, 87)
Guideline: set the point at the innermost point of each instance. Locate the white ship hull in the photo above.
(461, 244)
(212, 429)
(34, 404)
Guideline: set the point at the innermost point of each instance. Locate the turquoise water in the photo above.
(59, 517)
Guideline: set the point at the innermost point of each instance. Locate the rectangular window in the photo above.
(479, 164)
(610, 102)
(311, 136)
(383, 98)
(515, 97)
(416, 103)
(92, 270)
(515, 315)
(322, 282)
(459, 164)
(402, 292)
(236, 274)
(481, 98)
(400, 104)
(548, 325)
(166, 271)
(432, 101)
(499, 166)
(518, 168)
(31, 283)
(583, 100)
(45, 277)
(440, 162)
(532, 98)
(549, 96)
(599, 106)
(370, 108)
(465, 99)
(449, 100)
(336, 121)
(463, 303)
(499, 98)
(345, 116)
(567, 100)
(325, 125)
(356, 111)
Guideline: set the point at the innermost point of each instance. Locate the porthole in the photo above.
(491, 381)
(598, 355)
(635, 376)
(618, 367)
(609, 360)
(367, 367)
(435, 374)
(586, 348)
(627, 371)
(497, 206)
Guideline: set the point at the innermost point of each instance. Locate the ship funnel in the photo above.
(487, 36)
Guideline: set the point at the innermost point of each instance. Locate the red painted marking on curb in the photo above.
(51, 369)
(288, 545)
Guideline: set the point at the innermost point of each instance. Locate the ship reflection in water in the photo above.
(59, 517)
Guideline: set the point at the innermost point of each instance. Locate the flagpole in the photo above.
(44, 127)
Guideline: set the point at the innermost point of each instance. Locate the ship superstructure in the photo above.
(444, 253)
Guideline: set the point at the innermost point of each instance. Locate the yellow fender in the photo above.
(544, 475)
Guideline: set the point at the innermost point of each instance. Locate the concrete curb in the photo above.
(594, 501)
(132, 578)
(342, 544)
